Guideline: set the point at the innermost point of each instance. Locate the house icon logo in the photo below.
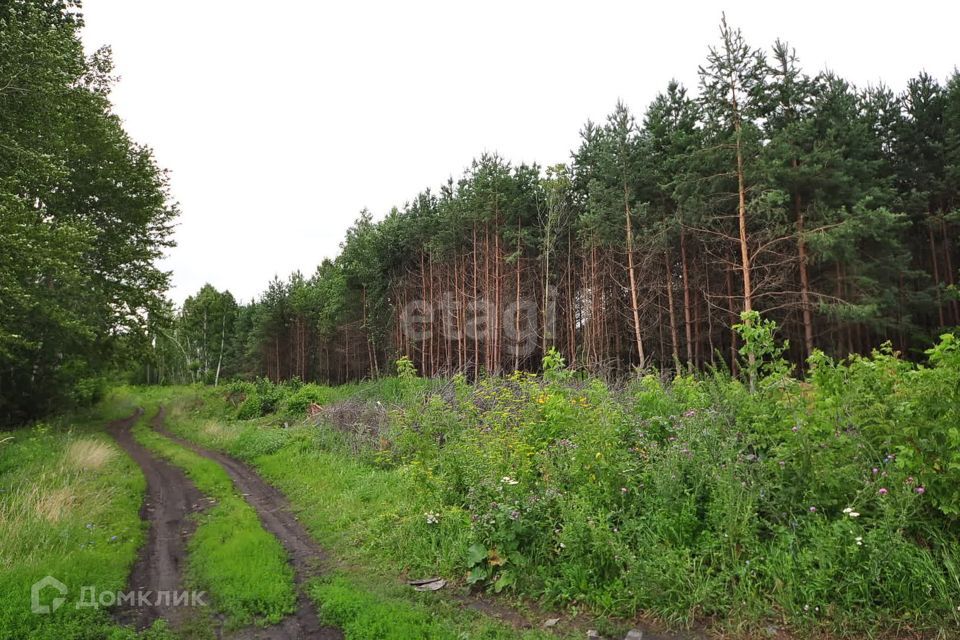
(40, 585)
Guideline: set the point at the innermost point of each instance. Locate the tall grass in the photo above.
(69, 503)
(824, 505)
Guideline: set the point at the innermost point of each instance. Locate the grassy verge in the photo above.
(69, 508)
(367, 608)
(242, 566)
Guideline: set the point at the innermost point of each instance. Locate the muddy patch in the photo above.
(170, 499)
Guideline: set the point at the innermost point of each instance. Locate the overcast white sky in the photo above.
(281, 120)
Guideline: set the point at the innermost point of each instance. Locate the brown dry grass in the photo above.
(88, 454)
(54, 505)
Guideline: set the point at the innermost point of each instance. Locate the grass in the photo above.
(371, 612)
(823, 507)
(69, 507)
(69, 504)
(242, 567)
(826, 507)
(373, 516)
(371, 520)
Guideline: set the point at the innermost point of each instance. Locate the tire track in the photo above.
(170, 498)
(275, 516)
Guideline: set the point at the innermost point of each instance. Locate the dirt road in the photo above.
(170, 499)
(276, 517)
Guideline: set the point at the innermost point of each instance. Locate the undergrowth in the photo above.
(827, 504)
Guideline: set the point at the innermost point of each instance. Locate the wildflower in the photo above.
(854, 514)
(689, 413)
(874, 471)
(920, 490)
(795, 428)
(515, 515)
(623, 489)
(859, 541)
(882, 491)
(508, 480)
(847, 510)
(813, 509)
(432, 518)
(910, 480)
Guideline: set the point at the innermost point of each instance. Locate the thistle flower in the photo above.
(813, 509)
(920, 490)
(882, 491)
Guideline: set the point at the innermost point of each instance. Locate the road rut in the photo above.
(276, 517)
(170, 499)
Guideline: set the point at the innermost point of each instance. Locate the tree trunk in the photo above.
(936, 275)
(516, 322)
(806, 310)
(686, 299)
(223, 338)
(674, 339)
(633, 279)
